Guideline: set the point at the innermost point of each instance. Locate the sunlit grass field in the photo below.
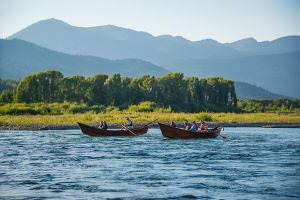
(145, 117)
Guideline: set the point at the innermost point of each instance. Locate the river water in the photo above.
(251, 163)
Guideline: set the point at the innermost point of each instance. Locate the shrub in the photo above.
(77, 108)
(204, 116)
(112, 109)
(146, 106)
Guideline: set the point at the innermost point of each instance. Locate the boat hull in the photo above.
(177, 133)
(96, 132)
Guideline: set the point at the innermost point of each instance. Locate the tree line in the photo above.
(172, 90)
(275, 105)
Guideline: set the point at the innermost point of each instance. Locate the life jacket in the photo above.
(202, 127)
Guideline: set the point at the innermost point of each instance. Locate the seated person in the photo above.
(101, 125)
(105, 125)
(202, 126)
(186, 125)
(194, 127)
(173, 124)
(129, 123)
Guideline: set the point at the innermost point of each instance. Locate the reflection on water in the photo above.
(252, 163)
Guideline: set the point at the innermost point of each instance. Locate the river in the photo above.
(251, 163)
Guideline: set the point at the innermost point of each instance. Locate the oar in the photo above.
(222, 135)
(128, 129)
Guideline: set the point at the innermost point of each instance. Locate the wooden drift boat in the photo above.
(96, 132)
(177, 133)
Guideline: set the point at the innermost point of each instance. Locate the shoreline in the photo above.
(155, 125)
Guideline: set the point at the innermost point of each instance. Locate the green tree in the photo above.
(96, 93)
(195, 98)
(40, 87)
(172, 91)
(75, 89)
(6, 97)
(113, 86)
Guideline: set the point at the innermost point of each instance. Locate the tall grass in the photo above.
(144, 117)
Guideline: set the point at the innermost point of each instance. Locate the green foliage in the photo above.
(7, 85)
(74, 108)
(276, 105)
(40, 87)
(51, 108)
(112, 94)
(148, 106)
(6, 97)
(204, 116)
(74, 89)
(172, 91)
(111, 109)
(114, 88)
(96, 92)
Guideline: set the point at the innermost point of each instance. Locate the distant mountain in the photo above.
(248, 91)
(273, 65)
(19, 58)
(278, 46)
(114, 42)
(118, 43)
(278, 73)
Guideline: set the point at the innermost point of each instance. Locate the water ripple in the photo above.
(252, 163)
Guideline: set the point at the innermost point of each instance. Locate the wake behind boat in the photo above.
(96, 132)
(177, 133)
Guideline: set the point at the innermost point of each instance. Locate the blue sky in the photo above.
(223, 20)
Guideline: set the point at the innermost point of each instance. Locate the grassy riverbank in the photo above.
(119, 117)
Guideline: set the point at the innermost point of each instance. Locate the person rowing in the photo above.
(129, 123)
(173, 124)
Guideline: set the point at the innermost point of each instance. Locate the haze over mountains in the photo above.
(248, 91)
(19, 58)
(274, 65)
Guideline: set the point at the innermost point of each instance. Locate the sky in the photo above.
(222, 20)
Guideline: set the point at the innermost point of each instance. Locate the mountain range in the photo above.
(20, 58)
(273, 65)
(248, 91)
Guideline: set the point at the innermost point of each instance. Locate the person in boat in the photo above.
(202, 126)
(194, 127)
(186, 125)
(129, 123)
(101, 125)
(173, 124)
(105, 125)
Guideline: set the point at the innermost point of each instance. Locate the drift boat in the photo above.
(96, 132)
(177, 133)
